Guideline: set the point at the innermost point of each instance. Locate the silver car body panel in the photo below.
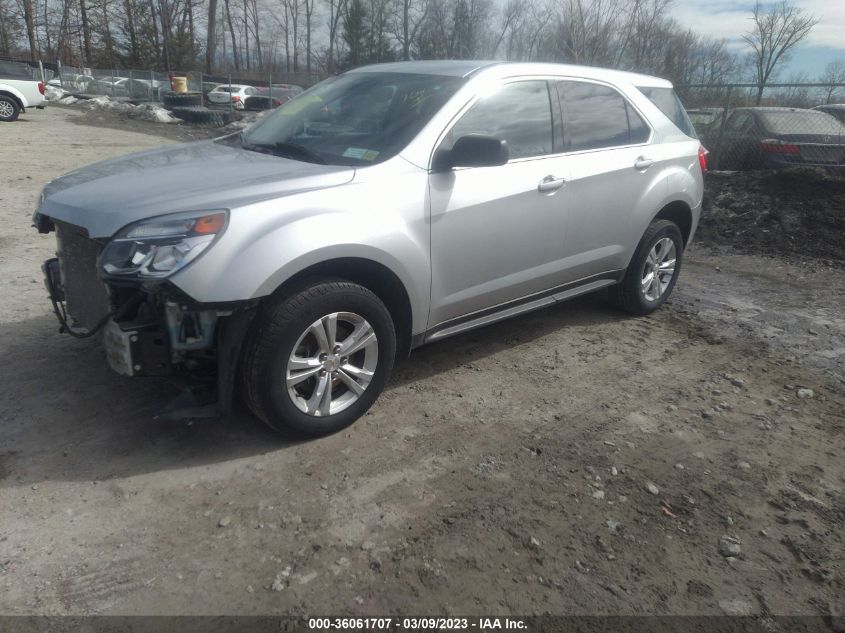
(107, 196)
(468, 244)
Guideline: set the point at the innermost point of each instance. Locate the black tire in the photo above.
(203, 116)
(277, 329)
(628, 294)
(181, 99)
(10, 107)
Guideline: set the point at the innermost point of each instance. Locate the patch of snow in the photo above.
(54, 93)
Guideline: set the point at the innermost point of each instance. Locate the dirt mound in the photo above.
(795, 212)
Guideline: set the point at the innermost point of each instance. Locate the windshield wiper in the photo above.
(301, 151)
(287, 150)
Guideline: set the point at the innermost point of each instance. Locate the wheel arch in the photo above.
(16, 98)
(374, 276)
(680, 213)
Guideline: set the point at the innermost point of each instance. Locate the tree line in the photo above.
(327, 36)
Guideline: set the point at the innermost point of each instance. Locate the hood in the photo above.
(207, 175)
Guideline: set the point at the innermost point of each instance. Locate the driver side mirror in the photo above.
(473, 150)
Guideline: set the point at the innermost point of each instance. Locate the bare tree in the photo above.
(773, 36)
(130, 31)
(29, 20)
(232, 34)
(337, 9)
(834, 73)
(211, 36)
(309, 28)
(641, 33)
(715, 63)
(6, 29)
(588, 28)
(292, 15)
(409, 17)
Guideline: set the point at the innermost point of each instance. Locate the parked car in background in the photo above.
(208, 86)
(834, 109)
(147, 89)
(388, 207)
(768, 138)
(235, 94)
(109, 86)
(74, 82)
(705, 119)
(291, 88)
(18, 90)
(269, 98)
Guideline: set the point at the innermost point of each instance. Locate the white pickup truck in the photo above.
(18, 90)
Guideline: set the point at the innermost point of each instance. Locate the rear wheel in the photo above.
(653, 270)
(316, 359)
(9, 109)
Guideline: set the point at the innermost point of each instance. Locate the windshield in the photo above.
(356, 118)
(802, 122)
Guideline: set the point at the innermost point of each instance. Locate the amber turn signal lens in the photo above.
(210, 224)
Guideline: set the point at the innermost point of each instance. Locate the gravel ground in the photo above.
(574, 461)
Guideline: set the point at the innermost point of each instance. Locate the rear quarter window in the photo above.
(669, 104)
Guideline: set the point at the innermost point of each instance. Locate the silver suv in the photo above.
(382, 209)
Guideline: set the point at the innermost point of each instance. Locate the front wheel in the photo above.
(316, 360)
(653, 270)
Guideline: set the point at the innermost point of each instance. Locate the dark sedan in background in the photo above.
(769, 138)
(703, 119)
(834, 109)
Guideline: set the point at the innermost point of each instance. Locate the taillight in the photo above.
(702, 158)
(771, 146)
(236, 98)
(41, 87)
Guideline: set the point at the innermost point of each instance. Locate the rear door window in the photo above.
(519, 113)
(596, 117)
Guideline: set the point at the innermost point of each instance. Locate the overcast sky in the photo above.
(730, 19)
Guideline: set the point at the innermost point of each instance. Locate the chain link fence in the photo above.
(186, 92)
(746, 126)
(743, 126)
(231, 91)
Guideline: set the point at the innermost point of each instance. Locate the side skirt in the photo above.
(517, 306)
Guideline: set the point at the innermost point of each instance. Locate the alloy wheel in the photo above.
(331, 364)
(659, 269)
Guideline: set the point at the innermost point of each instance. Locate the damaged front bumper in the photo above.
(148, 328)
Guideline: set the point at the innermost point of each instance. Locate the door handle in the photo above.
(550, 183)
(643, 163)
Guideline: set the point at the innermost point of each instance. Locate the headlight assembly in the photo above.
(158, 247)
